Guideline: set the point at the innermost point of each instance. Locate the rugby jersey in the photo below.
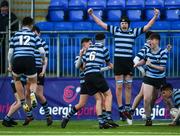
(158, 59)
(95, 57)
(38, 57)
(81, 72)
(124, 41)
(24, 43)
(141, 54)
(176, 97)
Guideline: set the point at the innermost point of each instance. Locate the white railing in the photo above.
(64, 46)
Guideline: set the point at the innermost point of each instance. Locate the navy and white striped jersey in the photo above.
(38, 57)
(141, 54)
(81, 72)
(24, 43)
(95, 57)
(176, 97)
(158, 59)
(124, 41)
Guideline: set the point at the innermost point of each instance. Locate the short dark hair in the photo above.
(148, 33)
(27, 21)
(100, 36)
(167, 86)
(36, 28)
(85, 40)
(125, 19)
(155, 36)
(4, 3)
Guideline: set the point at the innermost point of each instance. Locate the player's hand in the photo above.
(148, 63)
(42, 74)
(90, 11)
(156, 12)
(110, 66)
(82, 51)
(169, 47)
(10, 68)
(135, 65)
(172, 123)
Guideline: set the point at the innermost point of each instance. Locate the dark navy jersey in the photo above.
(158, 59)
(24, 43)
(124, 41)
(95, 57)
(176, 97)
(38, 56)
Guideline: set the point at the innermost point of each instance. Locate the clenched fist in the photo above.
(90, 11)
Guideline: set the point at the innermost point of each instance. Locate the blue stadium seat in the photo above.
(173, 14)
(77, 4)
(45, 26)
(82, 26)
(135, 4)
(63, 26)
(172, 4)
(175, 25)
(116, 4)
(97, 4)
(98, 13)
(161, 25)
(76, 15)
(134, 15)
(63, 4)
(114, 15)
(55, 15)
(96, 27)
(150, 14)
(138, 24)
(154, 4)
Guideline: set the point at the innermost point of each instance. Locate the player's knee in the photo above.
(119, 84)
(147, 100)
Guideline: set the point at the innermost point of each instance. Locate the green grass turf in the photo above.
(89, 127)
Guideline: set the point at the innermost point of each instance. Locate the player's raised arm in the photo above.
(96, 19)
(152, 21)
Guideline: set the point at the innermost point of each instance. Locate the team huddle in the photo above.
(28, 55)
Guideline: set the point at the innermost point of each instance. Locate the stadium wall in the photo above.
(63, 93)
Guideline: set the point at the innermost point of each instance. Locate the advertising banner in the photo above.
(63, 93)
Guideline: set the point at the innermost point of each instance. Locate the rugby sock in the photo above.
(29, 113)
(132, 111)
(121, 109)
(7, 118)
(46, 109)
(108, 115)
(127, 107)
(104, 114)
(72, 112)
(100, 119)
(23, 101)
(148, 118)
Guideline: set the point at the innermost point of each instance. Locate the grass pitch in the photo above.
(90, 127)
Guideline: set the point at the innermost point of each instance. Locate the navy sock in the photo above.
(72, 112)
(46, 109)
(29, 113)
(128, 107)
(121, 109)
(100, 119)
(7, 118)
(108, 115)
(23, 101)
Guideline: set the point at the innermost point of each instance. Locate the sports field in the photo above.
(90, 128)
